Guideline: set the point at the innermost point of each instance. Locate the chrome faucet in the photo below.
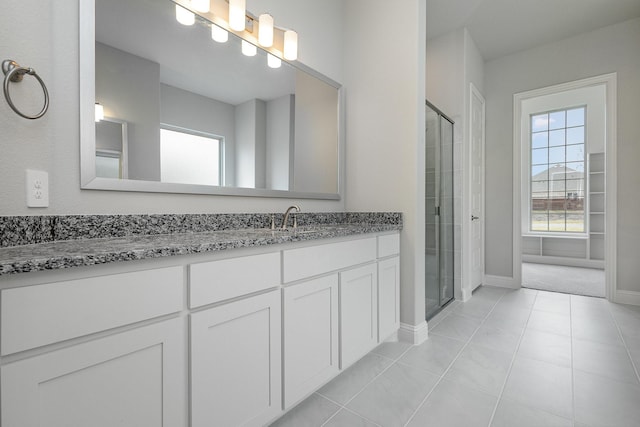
(286, 217)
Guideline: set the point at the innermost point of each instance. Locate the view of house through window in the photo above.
(557, 165)
(190, 158)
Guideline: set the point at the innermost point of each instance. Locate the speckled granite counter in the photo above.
(32, 243)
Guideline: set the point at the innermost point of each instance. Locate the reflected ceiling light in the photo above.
(248, 49)
(290, 45)
(237, 14)
(201, 5)
(184, 16)
(273, 61)
(99, 112)
(219, 34)
(265, 30)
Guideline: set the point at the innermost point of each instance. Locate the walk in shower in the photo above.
(439, 255)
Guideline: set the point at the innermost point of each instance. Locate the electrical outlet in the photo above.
(37, 188)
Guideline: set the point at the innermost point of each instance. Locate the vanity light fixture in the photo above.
(237, 14)
(273, 61)
(219, 34)
(290, 45)
(248, 49)
(184, 16)
(265, 30)
(99, 112)
(201, 5)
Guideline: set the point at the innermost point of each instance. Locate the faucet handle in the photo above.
(295, 221)
(273, 222)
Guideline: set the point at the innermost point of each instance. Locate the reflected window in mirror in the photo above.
(190, 157)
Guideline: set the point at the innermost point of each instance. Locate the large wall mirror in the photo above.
(185, 114)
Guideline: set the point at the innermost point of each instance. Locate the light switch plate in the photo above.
(37, 188)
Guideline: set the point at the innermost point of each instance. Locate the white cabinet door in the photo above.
(236, 363)
(388, 297)
(135, 379)
(358, 313)
(310, 336)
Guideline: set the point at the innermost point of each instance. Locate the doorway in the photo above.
(564, 203)
(439, 214)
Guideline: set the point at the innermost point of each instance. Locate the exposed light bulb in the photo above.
(265, 30)
(99, 114)
(219, 34)
(290, 45)
(184, 16)
(237, 14)
(248, 49)
(273, 61)
(201, 5)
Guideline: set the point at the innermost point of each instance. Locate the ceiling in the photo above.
(502, 27)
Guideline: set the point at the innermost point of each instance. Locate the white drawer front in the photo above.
(315, 260)
(388, 245)
(229, 278)
(34, 316)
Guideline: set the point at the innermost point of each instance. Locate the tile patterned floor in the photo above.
(505, 358)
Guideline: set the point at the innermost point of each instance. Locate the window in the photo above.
(557, 165)
(190, 157)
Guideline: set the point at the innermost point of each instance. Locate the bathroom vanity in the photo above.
(235, 329)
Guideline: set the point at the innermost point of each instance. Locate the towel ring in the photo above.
(13, 72)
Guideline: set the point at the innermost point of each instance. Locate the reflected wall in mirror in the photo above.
(198, 116)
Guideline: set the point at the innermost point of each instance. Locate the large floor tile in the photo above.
(542, 385)
(582, 306)
(454, 405)
(554, 323)
(553, 302)
(552, 348)
(511, 414)
(497, 339)
(597, 329)
(393, 396)
(600, 401)
(346, 418)
(342, 388)
(508, 318)
(392, 350)
(603, 359)
(312, 412)
(457, 327)
(489, 293)
(522, 298)
(481, 368)
(475, 307)
(434, 355)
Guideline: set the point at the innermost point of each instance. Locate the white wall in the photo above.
(52, 143)
(315, 154)
(610, 49)
(280, 123)
(384, 80)
(128, 87)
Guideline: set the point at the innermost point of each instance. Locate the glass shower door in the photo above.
(439, 224)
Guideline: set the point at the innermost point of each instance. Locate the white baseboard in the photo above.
(569, 262)
(414, 334)
(500, 281)
(627, 297)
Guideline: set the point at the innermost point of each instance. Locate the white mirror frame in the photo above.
(88, 179)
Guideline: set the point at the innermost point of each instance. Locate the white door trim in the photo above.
(610, 83)
(467, 231)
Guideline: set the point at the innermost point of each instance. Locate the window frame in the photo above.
(527, 199)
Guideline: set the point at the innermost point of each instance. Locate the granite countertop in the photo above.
(83, 251)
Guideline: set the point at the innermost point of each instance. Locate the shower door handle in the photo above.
(473, 217)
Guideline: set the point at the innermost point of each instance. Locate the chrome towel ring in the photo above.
(13, 72)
